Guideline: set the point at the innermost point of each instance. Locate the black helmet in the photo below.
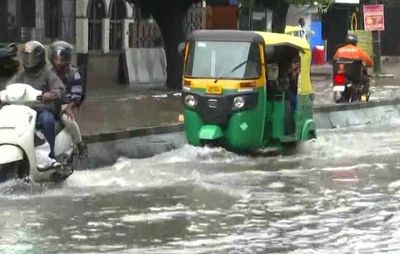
(302, 22)
(352, 39)
(33, 55)
(62, 50)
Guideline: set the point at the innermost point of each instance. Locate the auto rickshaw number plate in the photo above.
(213, 89)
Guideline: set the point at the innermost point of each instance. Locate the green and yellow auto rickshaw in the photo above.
(247, 90)
(293, 30)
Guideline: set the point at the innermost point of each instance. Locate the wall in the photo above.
(222, 17)
(390, 38)
(145, 65)
(102, 70)
(296, 12)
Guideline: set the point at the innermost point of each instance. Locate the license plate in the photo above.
(213, 89)
(338, 88)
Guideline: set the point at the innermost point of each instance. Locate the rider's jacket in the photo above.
(44, 79)
(73, 85)
(352, 52)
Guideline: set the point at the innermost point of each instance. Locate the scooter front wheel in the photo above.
(10, 171)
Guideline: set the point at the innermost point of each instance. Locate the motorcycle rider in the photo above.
(352, 52)
(60, 54)
(36, 73)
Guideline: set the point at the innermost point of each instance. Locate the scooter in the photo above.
(9, 62)
(347, 85)
(18, 139)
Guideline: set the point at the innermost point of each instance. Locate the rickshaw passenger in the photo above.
(272, 80)
(286, 62)
(287, 59)
(273, 85)
(293, 74)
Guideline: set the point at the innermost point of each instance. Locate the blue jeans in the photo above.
(48, 122)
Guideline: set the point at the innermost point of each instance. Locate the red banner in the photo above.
(374, 17)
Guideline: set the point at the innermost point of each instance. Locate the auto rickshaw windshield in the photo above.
(223, 60)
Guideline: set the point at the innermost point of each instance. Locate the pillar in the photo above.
(126, 35)
(105, 35)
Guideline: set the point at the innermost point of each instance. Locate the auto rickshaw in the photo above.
(293, 30)
(237, 93)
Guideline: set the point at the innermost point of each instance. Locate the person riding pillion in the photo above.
(60, 54)
(40, 76)
(352, 52)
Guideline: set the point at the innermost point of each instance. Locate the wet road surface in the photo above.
(337, 194)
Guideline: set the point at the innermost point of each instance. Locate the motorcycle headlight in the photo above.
(190, 101)
(238, 102)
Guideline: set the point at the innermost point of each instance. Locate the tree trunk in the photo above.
(171, 26)
(280, 11)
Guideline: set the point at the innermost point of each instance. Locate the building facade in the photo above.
(42, 20)
(92, 25)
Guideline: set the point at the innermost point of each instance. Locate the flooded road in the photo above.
(337, 194)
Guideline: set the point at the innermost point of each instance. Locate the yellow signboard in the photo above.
(364, 40)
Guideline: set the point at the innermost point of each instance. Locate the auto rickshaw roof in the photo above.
(275, 39)
(291, 29)
(226, 35)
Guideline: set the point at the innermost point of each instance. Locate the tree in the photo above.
(169, 16)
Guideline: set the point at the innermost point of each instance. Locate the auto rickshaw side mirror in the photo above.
(181, 48)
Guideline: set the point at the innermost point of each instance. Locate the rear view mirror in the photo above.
(181, 48)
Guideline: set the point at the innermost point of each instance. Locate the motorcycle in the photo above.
(347, 81)
(20, 142)
(9, 62)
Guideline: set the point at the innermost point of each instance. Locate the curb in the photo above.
(138, 132)
(355, 106)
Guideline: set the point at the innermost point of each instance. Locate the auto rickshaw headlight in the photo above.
(238, 102)
(190, 101)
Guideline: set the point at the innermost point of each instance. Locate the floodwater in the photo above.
(337, 194)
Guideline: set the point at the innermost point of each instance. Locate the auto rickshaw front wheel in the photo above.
(311, 135)
(289, 148)
(210, 142)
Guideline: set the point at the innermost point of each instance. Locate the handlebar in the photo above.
(20, 93)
